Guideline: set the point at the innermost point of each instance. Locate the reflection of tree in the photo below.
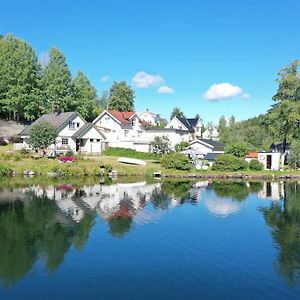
(31, 229)
(236, 190)
(255, 186)
(284, 221)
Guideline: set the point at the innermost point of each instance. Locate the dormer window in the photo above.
(71, 125)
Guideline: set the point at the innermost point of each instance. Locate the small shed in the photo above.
(273, 161)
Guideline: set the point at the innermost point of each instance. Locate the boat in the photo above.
(132, 161)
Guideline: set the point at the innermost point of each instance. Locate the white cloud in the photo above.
(165, 90)
(223, 90)
(144, 80)
(105, 78)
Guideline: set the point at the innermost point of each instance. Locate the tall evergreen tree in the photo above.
(85, 97)
(121, 97)
(284, 117)
(17, 78)
(56, 83)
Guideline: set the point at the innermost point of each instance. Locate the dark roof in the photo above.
(80, 132)
(166, 129)
(279, 147)
(213, 143)
(58, 120)
(211, 156)
(188, 123)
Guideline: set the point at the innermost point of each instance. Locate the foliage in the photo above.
(56, 83)
(121, 97)
(175, 160)
(294, 156)
(176, 113)
(255, 165)
(232, 189)
(18, 79)
(130, 153)
(5, 170)
(238, 150)
(161, 145)
(181, 146)
(85, 97)
(69, 153)
(228, 162)
(42, 136)
(3, 142)
(284, 117)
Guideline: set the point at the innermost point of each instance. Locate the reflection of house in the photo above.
(272, 191)
(74, 133)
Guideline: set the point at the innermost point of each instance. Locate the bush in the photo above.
(130, 153)
(3, 142)
(238, 150)
(105, 169)
(181, 146)
(17, 157)
(256, 165)
(69, 153)
(228, 162)
(5, 170)
(175, 160)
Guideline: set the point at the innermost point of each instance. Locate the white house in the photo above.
(74, 133)
(193, 125)
(151, 118)
(271, 160)
(206, 146)
(123, 129)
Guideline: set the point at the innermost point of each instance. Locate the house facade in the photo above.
(151, 118)
(74, 133)
(193, 125)
(206, 146)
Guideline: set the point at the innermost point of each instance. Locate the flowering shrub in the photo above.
(67, 159)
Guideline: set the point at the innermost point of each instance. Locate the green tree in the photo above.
(18, 73)
(161, 145)
(56, 83)
(121, 97)
(237, 150)
(177, 113)
(294, 157)
(42, 136)
(181, 146)
(85, 97)
(284, 117)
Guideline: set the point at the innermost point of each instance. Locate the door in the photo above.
(269, 162)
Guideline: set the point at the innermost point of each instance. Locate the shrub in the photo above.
(24, 152)
(105, 169)
(3, 142)
(238, 150)
(69, 153)
(5, 170)
(256, 165)
(161, 145)
(130, 153)
(17, 157)
(181, 146)
(175, 160)
(228, 162)
(294, 157)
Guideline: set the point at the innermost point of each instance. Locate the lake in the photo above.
(149, 240)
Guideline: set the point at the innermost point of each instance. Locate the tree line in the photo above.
(29, 88)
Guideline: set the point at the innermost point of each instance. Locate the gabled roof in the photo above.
(211, 156)
(84, 129)
(58, 120)
(216, 146)
(189, 123)
(122, 116)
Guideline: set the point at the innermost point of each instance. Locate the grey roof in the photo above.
(166, 129)
(190, 123)
(58, 120)
(211, 156)
(83, 130)
(213, 143)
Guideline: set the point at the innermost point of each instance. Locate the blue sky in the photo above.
(183, 47)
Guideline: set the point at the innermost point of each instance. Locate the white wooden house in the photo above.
(74, 133)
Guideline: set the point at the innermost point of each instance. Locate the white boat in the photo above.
(132, 161)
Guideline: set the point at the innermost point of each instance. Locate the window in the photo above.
(78, 124)
(64, 141)
(98, 140)
(91, 140)
(139, 133)
(126, 132)
(71, 125)
(106, 118)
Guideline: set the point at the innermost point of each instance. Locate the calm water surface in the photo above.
(159, 240)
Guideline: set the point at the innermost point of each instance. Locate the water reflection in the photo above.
(42, 222)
